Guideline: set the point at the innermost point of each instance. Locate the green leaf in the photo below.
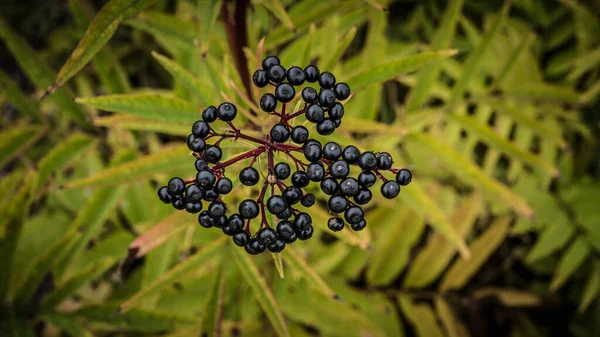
(61, 155)
(208, 9)
(213, 305)
(547, 92)
(278, 10)
(591, 290)
(129, 122)
(512, 60)
(195, 86)
(416, 198)
(482, 248)
(261, 290)
(70, 286)
(151, 106)
(488, 135)
(438, 252)
(101, 29)
(340, 47)
(67, 324)
(569, 262)
(278, 265)
(509, 297)
(421, 317)
(552, 238)
(136, 319)
(169, 158)
(15, 96)
(158, 234)
(441, 40)
(193, 263)
(15, 141)
(292, 256)
(470, 173)
(453, 325)
(394, 68)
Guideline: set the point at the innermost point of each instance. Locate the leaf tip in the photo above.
(51, 89)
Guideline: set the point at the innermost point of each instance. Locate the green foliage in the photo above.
(490, 104)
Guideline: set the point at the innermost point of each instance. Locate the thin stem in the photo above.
(245, 155)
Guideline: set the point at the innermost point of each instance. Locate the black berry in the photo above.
(296, 76)
(403, 177)
(351, 154)
(309, 95)
(326, 80)
(260, 78)
(367, 179)
(299, 134)
(209, 114)
(248, 209)
(384, 161)
(337, 204)
(280, 133)
(164, 195)
(312, 74)
(342, 91)
(268, 103)
(224, 186)
(276, 73)
(367, 161)
(176, 186)
(315, 113)
(270, 61)
(329, 186)
(282, 171)
(226, 112)
(339, 169)
(285, 92)
(390, 189)
(335, 224)
(332, 151)
(249, 176)
(326, 98)
(308, 200)
(212, 154)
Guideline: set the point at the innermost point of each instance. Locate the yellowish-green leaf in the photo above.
(276, 7)
(470, 173)
(195, 86)
(569, 262)
(554, 236)
(15, 141)
(170, 158)
(482, 248)
(15, 96)
(547, 92)
(453, 325)
(394, 68)
(292, 256)
(213, 305)
(278, 265)
(340, 48)
(421, 317)
(67, 324)
(61, 155)
(261, 290)
(136, 319)
(486, 134)
(512, 60)
(151, 106)
(510, 297)
(421, 202)
(438, 252)
(129, 122)
(442, 39)
(193, 263)
(208, 9)
(158, 234)
(101, 29)
(591, 290)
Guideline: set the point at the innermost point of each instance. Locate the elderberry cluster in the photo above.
(329, 165)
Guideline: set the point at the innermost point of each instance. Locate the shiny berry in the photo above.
(342, 91)
(260, 78)
(193, 207)
(367, 179)
(335, 224)
(205, 220)
(195, 144)
(354, 215)
(300, 179)
(312, 73)
(306, 233)
(296, 76)
(351, 154)
(270, 61)
(176, 186)
(268, 103)
(193, 193)
(329, 186)
(201, 165)
(326, 80)
(286, 214)
(363, 197)
(336, 111)
(285, 92)
(224, 185)
(200, 129)
(205, 179)
(276, 204)
(226, 112)
(339, 169)
(254, 247)
(178, 204)
(210, 195)
(384, 161)
(209, 114)
(315, 113)
(359, 226)
(299, 134)
(235, 223)
(308, 200)
(280, 133)
(241, 238)
(390, 189)
(276, 73)
(249, 176)
(315, 171)
(326, 98)
(326, 127)
(276, 246)
(286, 229)
(212, 154)
(164, 195)
(221, 222)
(367, 161)
(248, 209)
(216, 209)
(266, 235)
(403, 177)
(337, 204)
(309, 95)
(349, 187)
(332, 151)
(292, 195)
(282, 171)
(312, 152)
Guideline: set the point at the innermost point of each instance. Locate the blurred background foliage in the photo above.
(501, 138)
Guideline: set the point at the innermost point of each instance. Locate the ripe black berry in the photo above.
(326, 127)
(384, 161)
(363, 197)
(216, 209)
(309, 95)
(254, 247)
(390, 189)
(178, 204)
(359, 226)
(315, 113)
(205, 220)
(164, 195)
(268, 103)
(337, 204)
(270, 61)
(306, 233)
(226, 112)
(212, 154)
(192, 207)
(308, 200)
(292, 195)
(201, 165)
(248, 209)
(249, 176)
(342, 91)
(266, 235)
(282, 171)
(312, 73)
(351, 154)
(276, 73)
(349, 187)
(354, 215)
(285, 92)
(200, 129)
(300, 179)
(286, 214)
(260, 78)
(195, 144)
(299, 134)
(312, 152)
(209, 114)
(205, 179)
(326, 80)
(235, 223)
(176, 186)
(224, 185)
(276, 246)
(335, 224)
(332, 151)
(296, 75)
(286, 229)
(367, 179)
(193, 193)
(336, 111)
(210, 195)
(326, 98)
(367, 161)
(276, 204)
(241, 238)
(329, 186)
(315, 171)
(403, 177)
(280, 133)
(339, 169)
